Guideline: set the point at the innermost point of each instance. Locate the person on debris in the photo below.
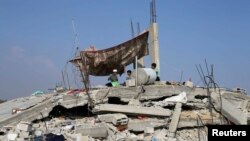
(153, 66)
(128, 77)
(129, 73)
(113, 78)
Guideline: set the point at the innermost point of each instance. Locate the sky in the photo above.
(37, 39)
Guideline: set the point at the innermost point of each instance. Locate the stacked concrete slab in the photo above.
(160, 112)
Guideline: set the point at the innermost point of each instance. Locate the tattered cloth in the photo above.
(102, 62)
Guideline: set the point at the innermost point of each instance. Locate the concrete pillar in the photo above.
(154, 45)
(175, 120)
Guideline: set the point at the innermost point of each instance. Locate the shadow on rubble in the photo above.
(116, 100)
(71, 113)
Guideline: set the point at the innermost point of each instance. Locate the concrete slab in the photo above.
(192, 123)
(229, 110)
(132, 110)
(20, 103)
(140, 125)
(116, 119)
(151, 92)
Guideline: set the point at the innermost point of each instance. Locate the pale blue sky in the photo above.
(36, 38)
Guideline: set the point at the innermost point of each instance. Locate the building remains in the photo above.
(141, 110)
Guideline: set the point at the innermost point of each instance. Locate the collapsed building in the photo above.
(160, 112)
(143, 110)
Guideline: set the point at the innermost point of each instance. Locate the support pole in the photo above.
(154, 45)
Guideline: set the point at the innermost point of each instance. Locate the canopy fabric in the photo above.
(102, 62)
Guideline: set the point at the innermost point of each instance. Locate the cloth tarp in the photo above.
(102, 62)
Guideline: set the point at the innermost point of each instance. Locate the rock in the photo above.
(24, 126)
(12, 136)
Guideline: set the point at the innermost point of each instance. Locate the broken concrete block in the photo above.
(182, 98)
(134, 102)
(3, 138)
(171, 139)
(97, 131)
(149, 130)
(148, 138)
(24, 134)
(116, 119)
(133, 137)
(111, 128)
(80, 137)
(12, 136)
(36, 125)
(68, 127)
(132, 110)
(21, 139)
(160, 136)
(24, 126)
(140, 137)
(123, 136)
(38, 133)
(140, 125)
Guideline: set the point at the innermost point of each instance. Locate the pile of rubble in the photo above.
(153, 112)
(2, 101)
